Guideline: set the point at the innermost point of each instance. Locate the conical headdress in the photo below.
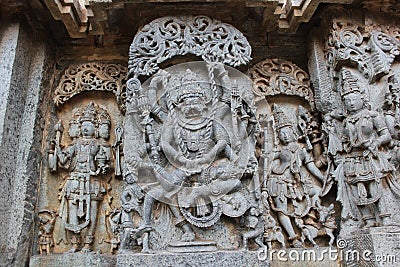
(349, 84)
(281, 120)
(104, 117)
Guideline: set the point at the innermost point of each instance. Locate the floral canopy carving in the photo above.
(92, 77)
(166, 37)
(345, 44)
(279, 77)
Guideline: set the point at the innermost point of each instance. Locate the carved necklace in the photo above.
(194, 139)
(193, 124)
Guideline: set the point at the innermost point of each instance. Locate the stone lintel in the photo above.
(84, 18)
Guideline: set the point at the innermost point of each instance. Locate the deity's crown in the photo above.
(349, 84)
(73, 121)
(104, 117)
(188, 86)
(189, 93)
(281, 120)
(89, 113)
(75, 117)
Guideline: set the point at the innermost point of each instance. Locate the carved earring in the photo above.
(366, 105)
(344, 109)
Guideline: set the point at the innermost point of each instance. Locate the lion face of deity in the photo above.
(193, 107)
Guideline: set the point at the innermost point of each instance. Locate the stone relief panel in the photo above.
(87, 161)
(197, 147)
(362, 60)
(374, 58)
(293, 177)
(361, 148)
(190, 138)
(366, 177)
(209, 158)
(45, 235)
(82, 181)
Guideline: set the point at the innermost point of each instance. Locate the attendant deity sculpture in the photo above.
(46, 228)
(392, 105)
(272, 232)
(131, 203)
(326, 224)
(87, 160)
(365, 175)
(255, 225)
(292, 192)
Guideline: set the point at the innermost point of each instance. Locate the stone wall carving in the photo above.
(174, 125)
(166, 37)
(346, 43)
(199, 152)
(190, 146)
(92, 77)
(80, 17)
(360, 132)
(47, 219)
(294, 177)
(279, 77)
(325, 96)
(84, 160)
(365, 173)
(87, 160)
(199, 123)
(212, 159)
(290, 186)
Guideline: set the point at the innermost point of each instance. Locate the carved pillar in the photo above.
(23, 77)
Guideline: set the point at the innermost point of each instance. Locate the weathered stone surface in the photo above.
(86, 16)
(220, 258)
(92, 77)
(74, 259)
(21, 138)
(9, 41)
(225, 258)
(205, 160)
